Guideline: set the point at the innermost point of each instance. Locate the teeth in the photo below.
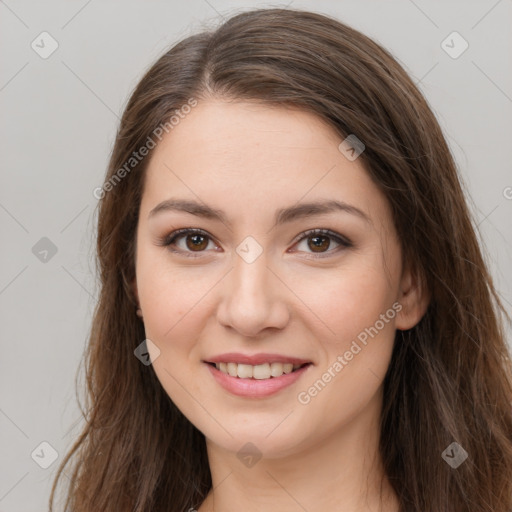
(260, 371)
(244, 371)
(232, 368)
(277, 369)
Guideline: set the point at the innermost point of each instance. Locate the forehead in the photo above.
(246, 154)
(231, 129)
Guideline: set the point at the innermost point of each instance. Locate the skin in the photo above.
(250, 160)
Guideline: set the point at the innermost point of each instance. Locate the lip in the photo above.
(255, 359)
(255, 388)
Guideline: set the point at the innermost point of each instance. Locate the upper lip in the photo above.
(255, 359)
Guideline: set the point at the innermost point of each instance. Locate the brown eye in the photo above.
(318, 243)
(196, 242)
(187, 241)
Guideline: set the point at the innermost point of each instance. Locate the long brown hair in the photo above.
(450, 377)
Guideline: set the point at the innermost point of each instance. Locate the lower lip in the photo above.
(256, 388)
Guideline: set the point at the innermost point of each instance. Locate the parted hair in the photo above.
(450, 376)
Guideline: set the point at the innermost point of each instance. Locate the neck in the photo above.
(342, 471)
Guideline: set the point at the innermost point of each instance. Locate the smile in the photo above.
(259, 372)
(258, 381)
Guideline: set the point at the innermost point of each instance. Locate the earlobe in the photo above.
(136, 295)
(414, 298)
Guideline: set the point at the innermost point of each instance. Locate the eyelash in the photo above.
(175, 235)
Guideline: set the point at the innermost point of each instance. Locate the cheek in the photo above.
(173, 305)
(347, 300)
(356, 357)
(170, 295)
(170, 319)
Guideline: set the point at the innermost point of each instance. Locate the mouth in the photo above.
(256, 381)
(263, 371)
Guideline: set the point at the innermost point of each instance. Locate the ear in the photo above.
(135, 291)
(414, 298)
(133, 285)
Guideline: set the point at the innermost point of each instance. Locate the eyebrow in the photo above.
(282, 216)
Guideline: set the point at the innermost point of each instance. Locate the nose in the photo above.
(254, 298)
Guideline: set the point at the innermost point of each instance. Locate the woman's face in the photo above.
(253, 284)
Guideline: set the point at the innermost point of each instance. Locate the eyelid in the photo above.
(184, 231)
(338, 238)
(321, 231)
(169, 239)
(342, 241)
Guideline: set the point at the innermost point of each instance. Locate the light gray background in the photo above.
(59, 119)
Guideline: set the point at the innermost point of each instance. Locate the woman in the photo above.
(295, 313)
